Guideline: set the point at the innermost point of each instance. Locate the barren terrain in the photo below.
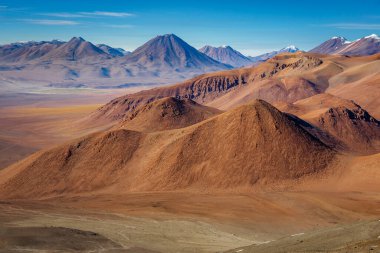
(201, 166)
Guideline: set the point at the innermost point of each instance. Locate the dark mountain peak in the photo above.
(169, 35)
(206, 48)
(367, 45)
(226, 55)
(169, 39)
(171, 51)
(56, 42)
(77, 39)
(75, 49)
(339, 45)
(226, 47)
(112, 51)
(331, 46)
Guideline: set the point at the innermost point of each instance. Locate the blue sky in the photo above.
(251, 27)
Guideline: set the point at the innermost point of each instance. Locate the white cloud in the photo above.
(63, 15)
(354, 26)
(88, 14)
(50, 22)
(107, 14)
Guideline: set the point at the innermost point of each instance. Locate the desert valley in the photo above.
(169, 148)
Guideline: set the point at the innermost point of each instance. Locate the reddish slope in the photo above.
(356, 128)
(167, 113)
(233, 150)
(84, 165)
(347, 125)
(284, 78)
(208, 87)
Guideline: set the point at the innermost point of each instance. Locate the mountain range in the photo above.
(79, 63)
(339, 45)
(162, 60)
(226, 55)
(266, 56)
(75, 49)
(26, 51)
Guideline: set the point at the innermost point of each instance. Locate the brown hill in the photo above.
(285, 78)
(167, 113)
(347, 125)
(356, 128)
(360, 82)
(310, 109)
(208, 87)
(284, 89)
(82, 165)
(233, 150)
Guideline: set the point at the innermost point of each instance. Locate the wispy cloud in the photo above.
(63, 15)
(108, 14)
(50, 22)
(88, 14)
(12, 9)
(354, 26)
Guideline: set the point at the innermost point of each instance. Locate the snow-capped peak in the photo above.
(339, 38)
(224, 46)
(291, 47)
(372, 36)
